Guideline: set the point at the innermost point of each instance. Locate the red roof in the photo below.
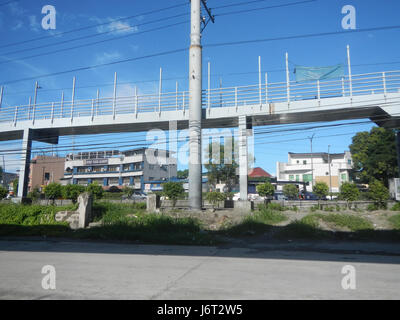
(258, 173)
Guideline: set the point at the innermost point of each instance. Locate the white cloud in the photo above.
(16, 9)
(33, 23)
(114, 27)
(18, 25)
(107, 57)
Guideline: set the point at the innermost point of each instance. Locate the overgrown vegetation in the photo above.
(215, 197)
(379, 194)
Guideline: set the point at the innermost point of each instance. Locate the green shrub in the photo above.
(290, 191)
(266, 190)
(128, 191)
(34, 194)
(372, 207)
(378, 193)
(396, 207)
(96, 190)
(349, 192)
(173, 190)
(53, 191)
(3, 192)
(329, 209)
(321, 189)
(72, 191)
(214, 197)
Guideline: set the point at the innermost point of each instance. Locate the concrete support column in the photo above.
(25, 163)
(195, 110)
(243, 157)
(398, 148)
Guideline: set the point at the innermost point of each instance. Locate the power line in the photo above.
(94, 43)
(309, 35)
(94, 26)
(163, 53)
(96, 34)
(264, 8)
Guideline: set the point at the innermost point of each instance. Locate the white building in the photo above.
(132, 168)
(332, 168)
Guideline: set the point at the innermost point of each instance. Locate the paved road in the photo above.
(87, 270)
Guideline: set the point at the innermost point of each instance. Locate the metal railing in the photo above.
(259, 94)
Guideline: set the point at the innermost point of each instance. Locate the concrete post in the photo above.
(243, 157)
(398, 148)
(195, 112)
(25, 163)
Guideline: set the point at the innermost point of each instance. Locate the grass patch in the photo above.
(353, 223)
(395, 221)
(396, 207)
(257, 223)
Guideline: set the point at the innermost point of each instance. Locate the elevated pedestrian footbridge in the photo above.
(373, 95)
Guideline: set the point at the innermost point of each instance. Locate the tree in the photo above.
(53, 191)
(34, 194)
(321, 190)
(95, 190)
(15, 186)
(128, 191)
(214, 197)
(3, 192)
(378, 193)
(266, 190)
(349, 192)
(183, 174)
(218, 168)
(72, 191)
(173, 190)
(290, 191)
(374, 156)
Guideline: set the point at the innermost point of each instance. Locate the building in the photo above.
(7, 179)
(44, 170)
(134, 168)
(332, 168)
(258, 173)
(257, 176)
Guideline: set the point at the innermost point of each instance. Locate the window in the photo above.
(343, 176)
(113, 168)
(297, 177)
(297, 161)
(348, 161)
(291, 177)
(307, 177)
(304, 161)
(47, 176)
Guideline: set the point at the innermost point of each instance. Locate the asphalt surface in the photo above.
(93, 270)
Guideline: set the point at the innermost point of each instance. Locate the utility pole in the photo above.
(330, 176)
(195, 110)
(312, 166)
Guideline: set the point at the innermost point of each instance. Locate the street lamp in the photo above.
(35, 97)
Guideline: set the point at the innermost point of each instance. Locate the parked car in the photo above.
(278, 195)
(135, 196)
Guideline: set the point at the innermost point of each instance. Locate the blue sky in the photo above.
(233, 65)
